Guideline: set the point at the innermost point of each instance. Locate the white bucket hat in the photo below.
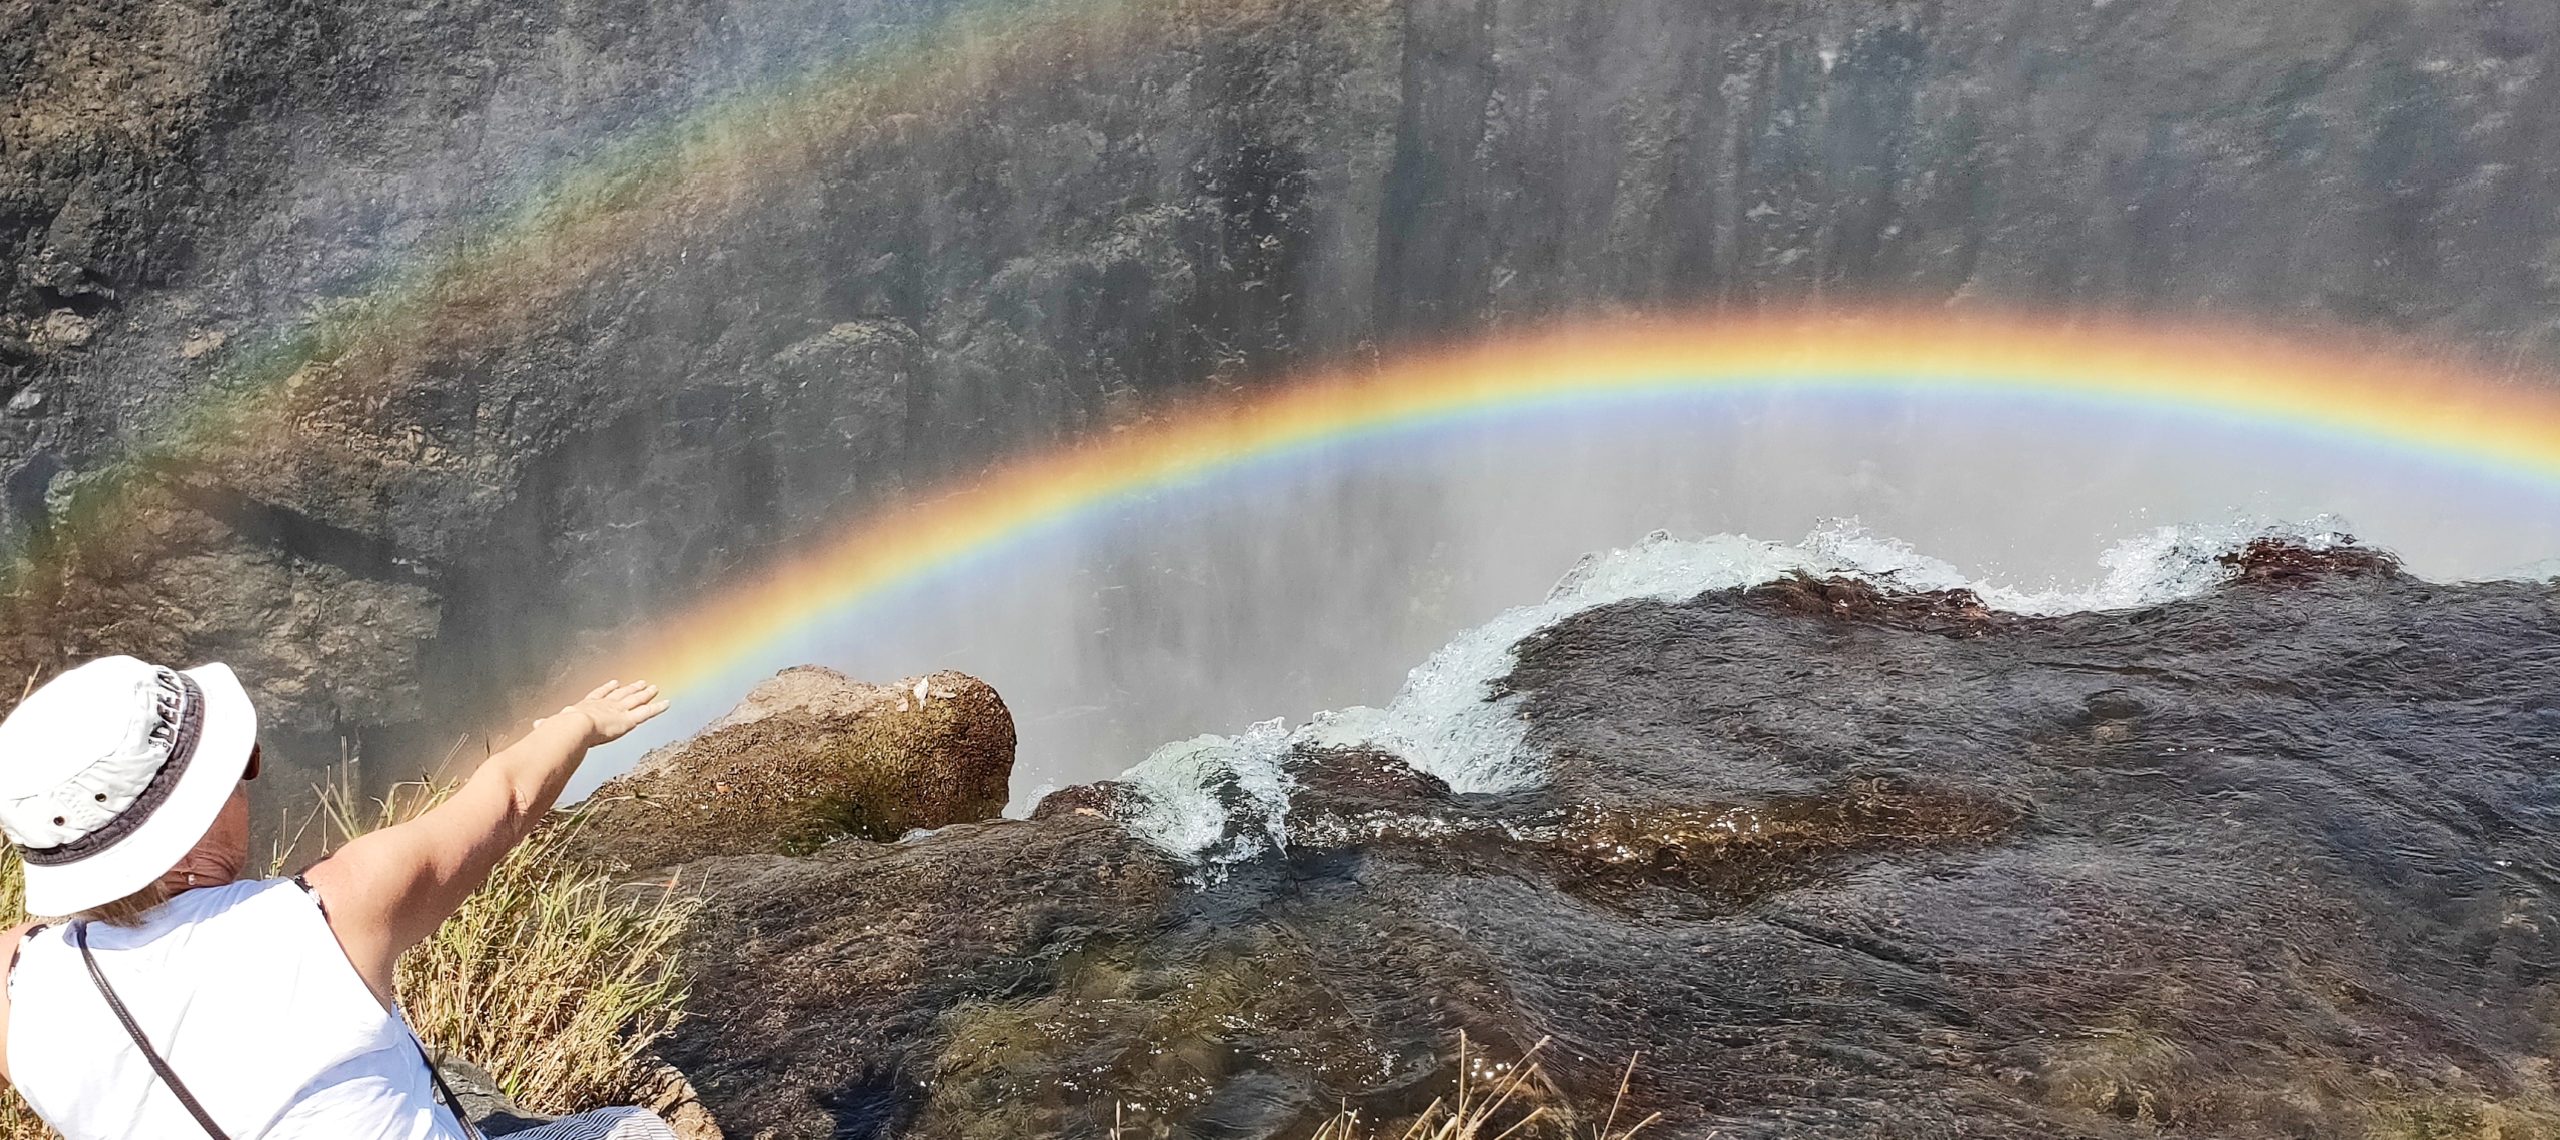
(112, 772)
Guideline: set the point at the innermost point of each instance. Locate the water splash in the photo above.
(1442, 721)
(2167, 564)
(1216, 800)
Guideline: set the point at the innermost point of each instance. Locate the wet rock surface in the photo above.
(1957, 612)
(2276, 861)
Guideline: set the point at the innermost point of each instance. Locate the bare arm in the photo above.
(388, 890)
(9, 942)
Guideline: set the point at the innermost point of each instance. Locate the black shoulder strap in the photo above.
(452, 1103)
(80, 938)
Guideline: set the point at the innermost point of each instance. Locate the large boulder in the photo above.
(864, 990)
(811, 756)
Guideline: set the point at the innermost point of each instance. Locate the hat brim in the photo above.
(221, 758)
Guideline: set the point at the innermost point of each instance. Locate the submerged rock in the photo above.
(2272, 560)
(2261, 863)
(1958, 612)
(811, 756)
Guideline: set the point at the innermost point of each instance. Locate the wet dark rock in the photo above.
(811, 756)
(2260, 864)
(2282, 562)
(1367, 775)
(2114, 705)
(1103, 799)
(1958, 612)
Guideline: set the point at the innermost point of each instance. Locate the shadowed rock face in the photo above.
(2277, 861)
(895, 287)
(810, 757)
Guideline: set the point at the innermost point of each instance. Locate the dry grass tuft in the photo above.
(550, 977)
(1499, 1101)
(17, 1121)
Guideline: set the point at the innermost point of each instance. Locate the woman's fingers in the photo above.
(619, 706)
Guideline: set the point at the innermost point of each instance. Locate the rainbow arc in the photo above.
(2376, 402)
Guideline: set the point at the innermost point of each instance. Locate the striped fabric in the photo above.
(602, 1124)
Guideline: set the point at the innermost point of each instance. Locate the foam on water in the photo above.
(1216, 800)
(2164, 565)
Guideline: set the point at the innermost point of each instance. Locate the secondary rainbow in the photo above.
(2344, 395)
(654, 184)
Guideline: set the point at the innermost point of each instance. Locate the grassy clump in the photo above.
(550, 977)
(1494, 1100)
(1498, 1100)
(17, 1121)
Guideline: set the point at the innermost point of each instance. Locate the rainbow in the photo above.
(2434, 409)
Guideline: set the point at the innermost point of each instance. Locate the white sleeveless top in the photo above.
(244, 992)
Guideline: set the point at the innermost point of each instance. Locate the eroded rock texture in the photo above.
(2277, 861)
(549, 364)
(809, 757)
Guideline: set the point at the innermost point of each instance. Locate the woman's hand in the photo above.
(386, 890)
(615, 708)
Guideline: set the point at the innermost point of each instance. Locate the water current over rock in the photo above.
(2265, 848)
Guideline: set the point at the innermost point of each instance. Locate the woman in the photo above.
(175, 999)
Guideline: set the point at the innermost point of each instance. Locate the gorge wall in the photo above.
(505, 439)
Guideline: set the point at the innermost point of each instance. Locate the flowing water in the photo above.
(2260, 838)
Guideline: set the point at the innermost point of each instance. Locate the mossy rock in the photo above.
(811, 756)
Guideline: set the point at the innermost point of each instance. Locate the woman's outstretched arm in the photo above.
(387, 890)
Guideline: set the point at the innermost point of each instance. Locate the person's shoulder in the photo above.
(246, 895)
(13, 938)
(201, 910)
(10, 940)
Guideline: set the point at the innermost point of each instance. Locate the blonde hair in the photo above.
(129, 910)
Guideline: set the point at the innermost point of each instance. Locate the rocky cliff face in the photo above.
(2276, 861)
(504, 436)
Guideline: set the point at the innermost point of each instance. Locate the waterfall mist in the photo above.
(1295, 587)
